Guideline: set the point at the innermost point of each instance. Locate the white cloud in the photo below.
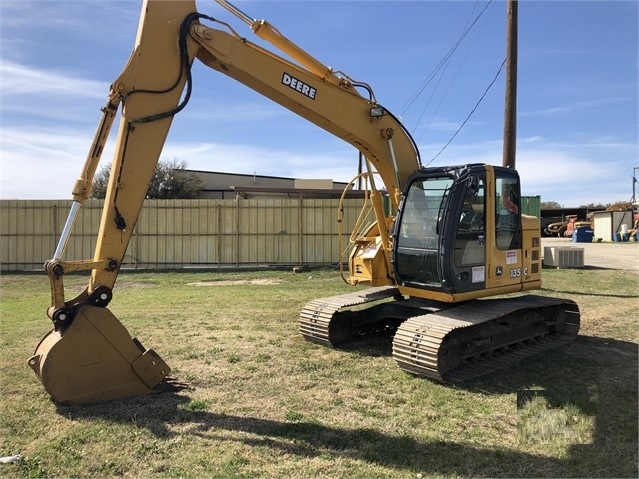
(576, 106)
(569, 173)
(39, 163)
(42, 163)
(78, 16)
(245, 159)
(18, 79)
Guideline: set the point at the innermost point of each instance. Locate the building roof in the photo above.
(257, 191)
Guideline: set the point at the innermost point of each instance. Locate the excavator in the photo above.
(433, 246)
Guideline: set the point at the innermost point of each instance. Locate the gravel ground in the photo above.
(623, 256)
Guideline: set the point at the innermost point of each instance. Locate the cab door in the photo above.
(465, 233)
(505, 263)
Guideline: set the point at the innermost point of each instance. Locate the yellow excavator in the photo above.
(430, 243)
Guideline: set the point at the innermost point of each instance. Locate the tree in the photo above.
(622, 205)
(169, 181)
(549, 205)
(100, 182)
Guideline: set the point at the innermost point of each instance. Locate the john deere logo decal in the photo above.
(299, 85)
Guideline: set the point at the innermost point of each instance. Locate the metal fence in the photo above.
(183, 233)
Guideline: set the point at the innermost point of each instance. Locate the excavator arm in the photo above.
(89, 356)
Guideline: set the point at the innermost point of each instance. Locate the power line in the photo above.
(503, 64)
(444, 61)
(450, 85)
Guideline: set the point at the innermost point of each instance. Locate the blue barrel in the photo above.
(583, 235)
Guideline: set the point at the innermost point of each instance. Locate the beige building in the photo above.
(218, 185)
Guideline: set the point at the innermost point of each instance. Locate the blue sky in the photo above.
(577, 129)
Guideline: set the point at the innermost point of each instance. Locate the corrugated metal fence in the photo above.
(183, 233)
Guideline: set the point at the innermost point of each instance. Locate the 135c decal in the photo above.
(516, 272)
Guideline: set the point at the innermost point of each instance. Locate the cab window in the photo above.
(507, 214)
(471, 232)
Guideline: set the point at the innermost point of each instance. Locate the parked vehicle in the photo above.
(558, 228)
(565, 228)
(575, 224)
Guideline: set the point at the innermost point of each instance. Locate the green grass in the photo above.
(262, 402)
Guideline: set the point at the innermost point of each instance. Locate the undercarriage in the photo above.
(442, 341)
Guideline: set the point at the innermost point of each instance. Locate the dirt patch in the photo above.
(237, 282)
(135, 284)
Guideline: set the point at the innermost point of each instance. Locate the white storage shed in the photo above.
(607, 223)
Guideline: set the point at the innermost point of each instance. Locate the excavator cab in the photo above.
(459, 232)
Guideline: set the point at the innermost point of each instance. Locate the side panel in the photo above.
(515, 255)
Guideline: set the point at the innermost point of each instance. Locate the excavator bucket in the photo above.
(95, 359)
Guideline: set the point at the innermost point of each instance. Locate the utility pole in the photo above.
(510, 113)
(634, 197)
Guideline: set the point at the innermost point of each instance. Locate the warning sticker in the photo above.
(479, 274)
(511, 257)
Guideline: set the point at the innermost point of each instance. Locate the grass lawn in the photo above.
(262, 402)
